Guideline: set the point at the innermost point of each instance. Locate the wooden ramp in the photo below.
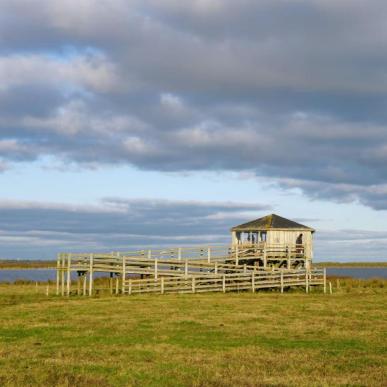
(195, 269)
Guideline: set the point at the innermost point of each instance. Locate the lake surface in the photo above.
(11, 275)
(358, 272)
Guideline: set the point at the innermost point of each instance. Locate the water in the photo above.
(40, 275)
(358, 272)
(11, 275)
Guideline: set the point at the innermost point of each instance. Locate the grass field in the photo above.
(195, 340)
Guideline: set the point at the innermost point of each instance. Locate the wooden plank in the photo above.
(91, 268)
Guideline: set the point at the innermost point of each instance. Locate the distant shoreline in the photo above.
(352, 265)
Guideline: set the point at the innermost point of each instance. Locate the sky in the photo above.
(143, 123)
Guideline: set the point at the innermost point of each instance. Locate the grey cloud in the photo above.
(294, 90)
(116, 224)
(40, 230)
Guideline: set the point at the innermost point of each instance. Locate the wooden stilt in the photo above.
(78, 284)
(306, 281)
(62, 274)
(111, 283)
(91, 268)
(84, 283)
(68, 275)
(57, 274)
(325, 280)
(123, 274)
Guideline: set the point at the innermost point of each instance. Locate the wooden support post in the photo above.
(244, 269)
(253, 281)
(57, 274)
(186, 268)
(224, 284)
(62, 274)
(236, 255)
(216, 267)
(289, 254)
(130, 286)
(264, 258)
(193, 284)
(111, 283)
(325, 280)
(68, 274)
(179, 253)
(330, 287)
(156, 268)
(162, 285)
(209, 255)
(282, 281)
(78, 284)
(306, 281)
(123, 274)
(84, 284)
(91, 268)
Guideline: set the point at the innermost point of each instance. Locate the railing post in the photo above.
(57, 274)
(236, 255)
(68, 274)
(84, 284)
(179, 253)
(62, 274)
(289, 254)
(224, 284)
(162, 285)
(123, 274)
(193, 284)
(156, 269)
(209, 254)
(264, 258)
(253, 281)
(325, 280)
(306, 281)
(149, 254)
(244, 269)
(186, 268)
(216, 267)
(91, 274)
(282, 281)
(130, 287)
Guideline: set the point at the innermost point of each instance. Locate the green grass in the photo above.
(195, 340)
(26, 264)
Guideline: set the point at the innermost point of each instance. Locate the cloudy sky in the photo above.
(137, 123)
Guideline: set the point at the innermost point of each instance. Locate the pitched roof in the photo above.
(269, 222)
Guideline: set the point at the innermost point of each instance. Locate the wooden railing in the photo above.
(179, 263)
(227, 282)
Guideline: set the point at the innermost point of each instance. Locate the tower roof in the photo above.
(271, 222)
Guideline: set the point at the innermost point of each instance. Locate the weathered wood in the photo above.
(57, 274)
(91, 280)
(68, 275)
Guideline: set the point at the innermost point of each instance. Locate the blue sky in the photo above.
(143, 123)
